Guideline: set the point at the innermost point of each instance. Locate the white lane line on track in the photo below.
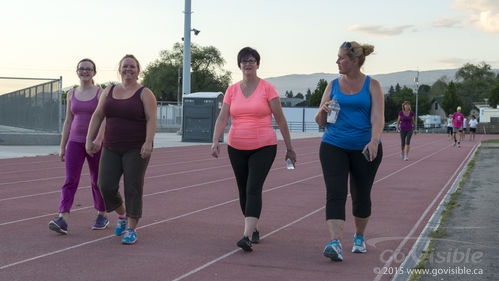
(86, 187)
(149, 225)
(146, 195)
(157, 176)
(238, 249)
(421, 218)
(234, 251)
(152, 166)
(166, 220)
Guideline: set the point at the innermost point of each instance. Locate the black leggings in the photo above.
(337, 164)
(251, 168)
(405, 137)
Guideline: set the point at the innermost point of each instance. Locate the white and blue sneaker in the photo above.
(359, 245)
(130, 237)
(334, 251)
(120, 226)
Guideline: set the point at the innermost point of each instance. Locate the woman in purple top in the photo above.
(405, 124)
(130, 112)
(81, 103)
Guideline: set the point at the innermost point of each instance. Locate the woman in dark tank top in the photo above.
(130, 112)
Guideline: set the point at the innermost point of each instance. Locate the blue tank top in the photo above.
(352, 129)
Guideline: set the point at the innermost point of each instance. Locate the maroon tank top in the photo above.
(125, 121)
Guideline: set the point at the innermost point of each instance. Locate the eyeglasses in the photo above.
(248, 61)
(81, 69)
(347, 45)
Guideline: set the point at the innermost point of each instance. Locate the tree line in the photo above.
(472, 83)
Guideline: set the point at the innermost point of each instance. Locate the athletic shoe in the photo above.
(59, 225)
(406, 158)
(120, 226)
(245, 244)
(333, 251)
(359, 246)
(402, 155)
(255, 237)
(101, 222)
(130, 237)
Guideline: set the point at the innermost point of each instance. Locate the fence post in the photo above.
(303, 120)
(59, 101)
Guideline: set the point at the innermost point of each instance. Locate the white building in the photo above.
(487, 113)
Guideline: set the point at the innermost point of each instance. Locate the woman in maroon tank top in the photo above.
(81, 103)
(130, 112)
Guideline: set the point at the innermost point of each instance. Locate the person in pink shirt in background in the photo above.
(80, 104)
(457, 124)
(252, 141)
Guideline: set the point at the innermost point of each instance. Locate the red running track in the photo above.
(191, 218)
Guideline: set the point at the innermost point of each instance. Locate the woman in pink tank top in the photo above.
(80, 105)
(252, 139)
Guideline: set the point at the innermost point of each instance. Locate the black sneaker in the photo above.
(59, 225)
(245, 244)
(255, 237)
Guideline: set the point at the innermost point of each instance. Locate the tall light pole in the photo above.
(186, 77)
(416, 80)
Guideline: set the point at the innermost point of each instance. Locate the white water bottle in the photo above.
(335, 110)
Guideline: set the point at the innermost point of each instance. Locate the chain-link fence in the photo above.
(169, 117)
(36, 107)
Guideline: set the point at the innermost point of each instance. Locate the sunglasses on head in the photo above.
(347, 45)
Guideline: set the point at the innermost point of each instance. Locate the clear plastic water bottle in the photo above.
(335, 110)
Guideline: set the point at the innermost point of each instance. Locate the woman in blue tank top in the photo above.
(351, 145)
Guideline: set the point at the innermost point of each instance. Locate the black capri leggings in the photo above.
(114, 162)
(251, 168)
(405, 137)
(337, 164)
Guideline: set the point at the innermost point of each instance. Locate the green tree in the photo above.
(392, 90)
(289, 94)
(315, 99)
(451, 100)
(299, 96)
(494, 95)
(207, 74)
(438, 88)
(475, 82)
(308, 95)
(391, 109)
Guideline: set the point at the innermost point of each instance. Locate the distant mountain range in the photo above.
(299, 83)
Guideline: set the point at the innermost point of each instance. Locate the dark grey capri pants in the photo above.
(117, 161)
(405, 137)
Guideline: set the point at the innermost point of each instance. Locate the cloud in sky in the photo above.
(446, 22)
(378, 30)
(452, 62)
(483, 14)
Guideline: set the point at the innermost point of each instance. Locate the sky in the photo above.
(47, 38)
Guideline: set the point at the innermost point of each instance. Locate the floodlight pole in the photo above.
(186, 77)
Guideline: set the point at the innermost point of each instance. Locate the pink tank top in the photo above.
(251, 116)
(82, 112)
